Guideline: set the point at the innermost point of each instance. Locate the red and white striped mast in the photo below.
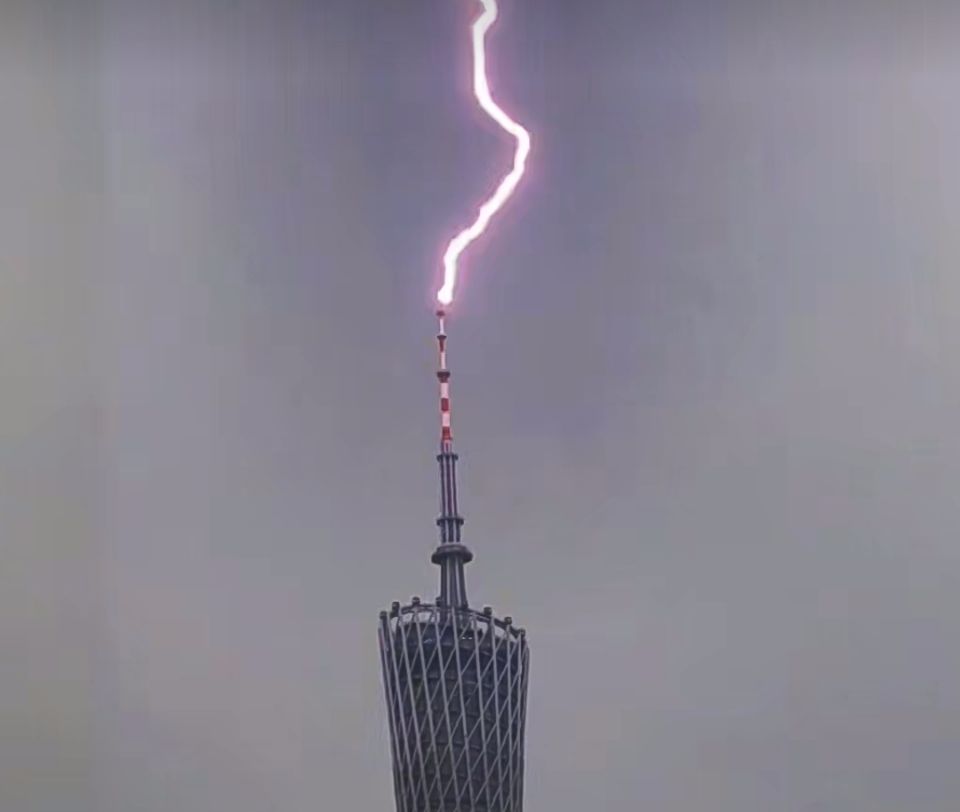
(451, 554)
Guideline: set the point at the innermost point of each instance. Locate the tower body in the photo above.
(455, 678)
(456, 686)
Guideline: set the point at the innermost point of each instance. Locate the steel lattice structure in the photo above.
(456, 685)
(455, 679)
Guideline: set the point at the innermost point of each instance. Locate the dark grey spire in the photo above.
(452, 554)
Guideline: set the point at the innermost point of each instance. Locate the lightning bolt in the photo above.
(494, 203)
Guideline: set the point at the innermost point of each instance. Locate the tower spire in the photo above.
(451, 554)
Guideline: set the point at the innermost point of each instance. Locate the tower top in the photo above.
(451, 554)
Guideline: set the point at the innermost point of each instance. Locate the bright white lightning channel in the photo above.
(494, 203)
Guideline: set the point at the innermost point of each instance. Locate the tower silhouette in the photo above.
(455, 678)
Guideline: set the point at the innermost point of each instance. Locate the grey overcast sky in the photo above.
(706, 387)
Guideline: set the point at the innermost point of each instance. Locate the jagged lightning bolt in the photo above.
(491, 206)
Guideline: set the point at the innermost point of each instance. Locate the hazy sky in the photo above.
(706, 387)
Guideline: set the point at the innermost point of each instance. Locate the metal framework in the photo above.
(455, 678)
(456, 686)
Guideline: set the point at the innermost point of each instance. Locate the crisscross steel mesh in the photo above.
(456, 686)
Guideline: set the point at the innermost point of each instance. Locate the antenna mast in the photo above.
(451, 554)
